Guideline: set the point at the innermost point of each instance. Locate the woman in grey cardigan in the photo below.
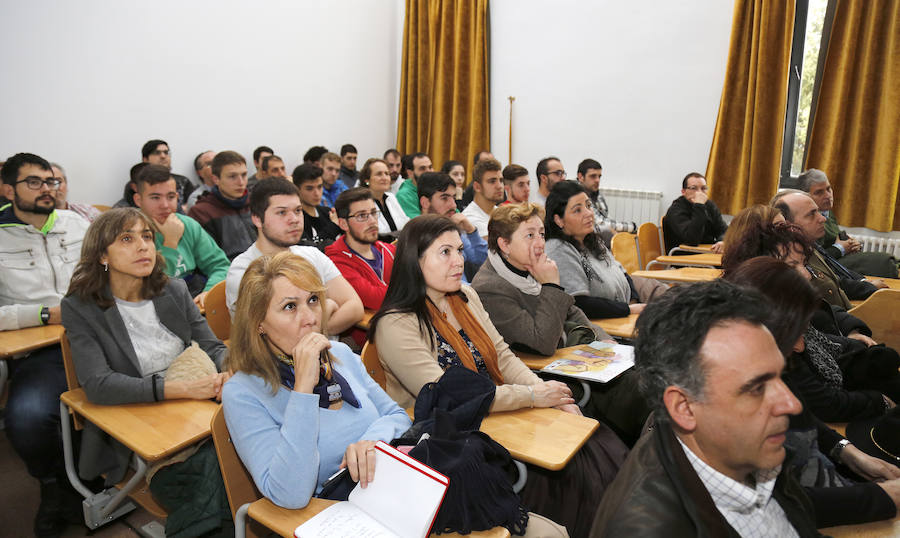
(126, 322)
(519, 286)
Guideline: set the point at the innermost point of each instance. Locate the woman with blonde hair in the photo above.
(299, 406)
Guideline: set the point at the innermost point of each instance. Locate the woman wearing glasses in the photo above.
(375, 176)
(587, 269)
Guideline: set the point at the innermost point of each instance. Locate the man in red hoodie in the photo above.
(363, 260)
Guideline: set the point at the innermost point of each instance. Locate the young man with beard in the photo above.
(39, 248)
(363, 260)
(278, 216)
(330, 163)
(517, 184)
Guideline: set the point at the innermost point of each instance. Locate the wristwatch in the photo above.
(45, 315)
(838, 448)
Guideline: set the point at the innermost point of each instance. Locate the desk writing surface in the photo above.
(283, 521)
(544, 436)
(702, 248)
(152, 430)
(621, 327)
(29, 339)
(682, 274)
(704, 259)
(892, 283)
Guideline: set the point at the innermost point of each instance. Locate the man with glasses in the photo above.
(549, 172)
(62, 192)
(693, 218)
(157, 152)
(39, 248)
(277, 213)
(364, 261)
(203, 166)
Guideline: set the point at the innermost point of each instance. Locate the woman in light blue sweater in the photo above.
(299, 406)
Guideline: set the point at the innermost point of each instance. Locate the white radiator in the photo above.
(633, 205)
(879, 244)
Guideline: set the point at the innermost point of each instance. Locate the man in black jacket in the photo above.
(693, 218)
(712, 464)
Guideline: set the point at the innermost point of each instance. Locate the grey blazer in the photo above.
(108, 368)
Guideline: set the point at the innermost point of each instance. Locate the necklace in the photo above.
(872, 437)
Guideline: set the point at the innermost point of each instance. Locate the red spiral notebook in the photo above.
(400, 502)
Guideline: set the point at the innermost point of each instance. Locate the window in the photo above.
(809, 23)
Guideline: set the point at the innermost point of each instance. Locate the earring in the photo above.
(106, 266)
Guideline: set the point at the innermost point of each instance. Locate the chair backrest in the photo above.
(239, 486)
(881, 312)
(648, 243)
(370, 360)
(217, 315)
(102, 208)
(624, 249)
(71, 377)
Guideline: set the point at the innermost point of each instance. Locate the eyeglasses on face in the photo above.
(561, 174)
(364, 216)
(35, 183)
(161, 152)
(704, 188)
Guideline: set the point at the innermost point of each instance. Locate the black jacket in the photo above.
(692, 224)
(658, 494)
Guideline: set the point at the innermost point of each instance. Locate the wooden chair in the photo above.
(239, 485)
(625, 250)
(881, 312)
(649, 246)
(372, 363)
(102, 208)
(217, 315)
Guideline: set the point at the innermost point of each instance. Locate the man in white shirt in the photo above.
(712, 464)
(487, 182)
(278, 216)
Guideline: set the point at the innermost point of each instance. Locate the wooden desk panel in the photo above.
(702, 248)
(283, 521)
(364, 322)
(25, 340)
(545, 437)
(682, 274)
(152, 430)
(621, 327)
(695, 260)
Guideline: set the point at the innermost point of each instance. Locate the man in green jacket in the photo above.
(408, 194)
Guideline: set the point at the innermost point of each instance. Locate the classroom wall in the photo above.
(635, 85)
(87, 83)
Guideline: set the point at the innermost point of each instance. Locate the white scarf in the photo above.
(527, 284)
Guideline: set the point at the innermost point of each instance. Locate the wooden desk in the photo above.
(283, 521)
(545, 436)
(890, 527)
(692, 260)
(364, 322)
(24, 340)
(682, 274)
(702, 248)
(621, 327)
(152, 430)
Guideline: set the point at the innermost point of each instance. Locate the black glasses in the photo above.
(560, 173)
(35, 183)
(363, 216)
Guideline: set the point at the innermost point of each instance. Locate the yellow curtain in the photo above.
(745, 157)
(855, 136)
(444, 102)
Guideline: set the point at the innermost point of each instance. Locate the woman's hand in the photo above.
(306, 360)
(856, 335)
(223, 378)
(866, 466)
(359, 459)
(570, 408)
(542, 268)
(636, 308)
(552, 394)
(203, 388)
